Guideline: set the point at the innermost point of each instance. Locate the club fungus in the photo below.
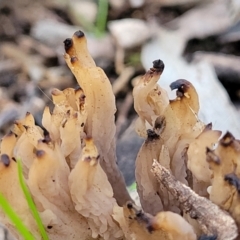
(100, 108)
(70, 168)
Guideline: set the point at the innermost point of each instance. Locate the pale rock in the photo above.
(118, 4)
(209, 18)
(136, 3)
(129, 32)
(51, 32)
(80, 11)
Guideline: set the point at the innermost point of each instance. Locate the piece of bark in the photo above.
(212, 220)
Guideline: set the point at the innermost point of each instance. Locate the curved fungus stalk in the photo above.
(186, 105)
(197, 163)
(71, 172)
(52, 196)
(100, 108)
(147, 185)
(95, 198)
(147, 91)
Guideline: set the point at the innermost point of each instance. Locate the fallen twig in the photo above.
(212, 220)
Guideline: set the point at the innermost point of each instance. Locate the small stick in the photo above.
(212, 220)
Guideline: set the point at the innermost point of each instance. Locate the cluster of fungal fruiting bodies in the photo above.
(72, 173)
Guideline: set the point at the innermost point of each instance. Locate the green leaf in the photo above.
(18, 223)
(30, 202)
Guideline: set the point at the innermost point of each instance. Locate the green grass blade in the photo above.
(30, 202)
(132, 187)
(102, 14)
(21, 228)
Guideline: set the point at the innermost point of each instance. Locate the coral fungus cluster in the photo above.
(184, 174)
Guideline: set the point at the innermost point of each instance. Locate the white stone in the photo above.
(129, 32)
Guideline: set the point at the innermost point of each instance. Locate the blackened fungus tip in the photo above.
(67, 44)
(227, 139)
(79, 34)
(158, 64)
(152, 135)
(46, 139)
(150, 228)
(73, 59)
(40, 153)
(129, 205)
(209, 126)
(208, 150)
(180, 84)
(26, 127)
(5, 160)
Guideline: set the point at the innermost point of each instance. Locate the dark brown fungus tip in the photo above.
(73, 59)
(26, 127)
(181, 85)
(79, 34)
(82, 97)
(233, 180)
(46, 139)
(208, 127)
(150, 228)
(28, 113)
(68, 112)
(151, 135)
(212, 157)
(227, 139)
(129, 205)
(67, 44)
(160, 123)
(5, 160)
(40, 153)
(158, 65)
(208, 150)
(64, 123)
